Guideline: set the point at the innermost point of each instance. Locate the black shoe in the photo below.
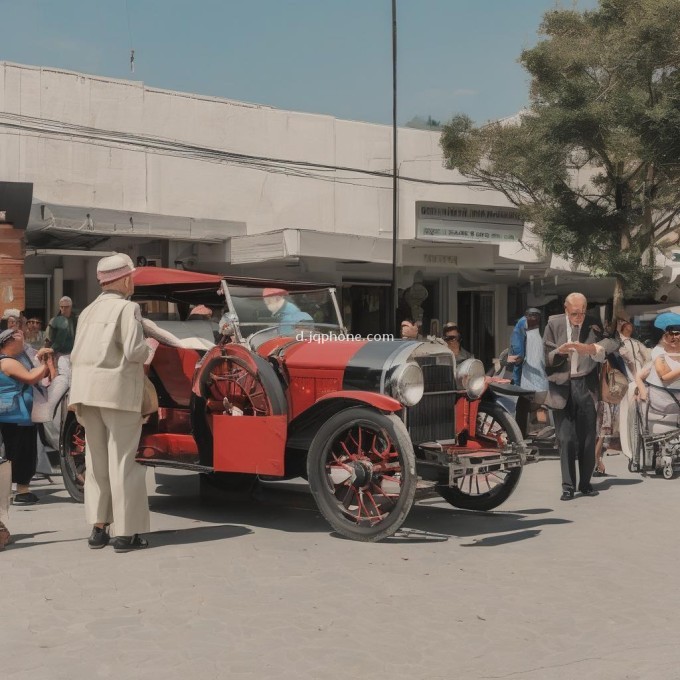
(567, 495)
(98, 538)
(27, 498)
(589, 492)
(123, 544)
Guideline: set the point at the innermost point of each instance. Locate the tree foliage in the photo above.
(594, 163)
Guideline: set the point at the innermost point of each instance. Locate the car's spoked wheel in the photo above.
(361, 471)
(495, 429)
(230, 383)
(72, 457)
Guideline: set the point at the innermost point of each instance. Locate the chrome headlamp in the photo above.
(471, 378)
(408, 384)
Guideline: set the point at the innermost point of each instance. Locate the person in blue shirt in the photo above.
(527, 356)
(517, 355)
(284, 312)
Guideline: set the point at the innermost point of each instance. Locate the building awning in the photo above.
(289, 244)
(69, 223)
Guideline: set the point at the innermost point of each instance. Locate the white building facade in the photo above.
(212, 184)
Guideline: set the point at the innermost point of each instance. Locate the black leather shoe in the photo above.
(589, 492)
(98, 538)
(122, 544)
(567, 495)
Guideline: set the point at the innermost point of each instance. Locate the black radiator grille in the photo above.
(432, 418)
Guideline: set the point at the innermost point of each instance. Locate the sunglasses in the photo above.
(673, 334)
(451, 338)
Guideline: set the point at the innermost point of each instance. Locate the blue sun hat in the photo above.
(668, 321)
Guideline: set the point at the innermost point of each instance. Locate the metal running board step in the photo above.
(176, 465)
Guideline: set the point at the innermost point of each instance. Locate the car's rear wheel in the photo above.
(495, 428)
(72, 457)
(362, 473)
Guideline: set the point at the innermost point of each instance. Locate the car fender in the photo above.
(301, 430)
(379, 401)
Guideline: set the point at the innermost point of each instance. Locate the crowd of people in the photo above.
(586, 376)
(101, 356)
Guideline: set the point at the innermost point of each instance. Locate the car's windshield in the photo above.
(286, 312)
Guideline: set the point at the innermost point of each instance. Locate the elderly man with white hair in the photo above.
(61, 331)
(574, 347)
(106, 390)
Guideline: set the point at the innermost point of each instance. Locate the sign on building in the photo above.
(451, 222)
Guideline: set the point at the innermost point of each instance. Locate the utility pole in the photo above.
(395, 183)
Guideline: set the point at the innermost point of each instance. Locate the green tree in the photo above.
(594, 162)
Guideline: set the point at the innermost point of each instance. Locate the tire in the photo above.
(351, 490)
(488, 491)
(635, 440)
(72, 457)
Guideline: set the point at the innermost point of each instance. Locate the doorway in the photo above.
(475, 319)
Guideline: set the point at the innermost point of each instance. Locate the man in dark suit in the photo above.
(574, 348)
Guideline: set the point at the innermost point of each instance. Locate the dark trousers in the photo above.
(575, 427)
(21, 447)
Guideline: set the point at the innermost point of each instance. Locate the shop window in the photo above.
(365, 307)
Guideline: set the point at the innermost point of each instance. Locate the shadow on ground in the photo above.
(288, 506)
(158, 539)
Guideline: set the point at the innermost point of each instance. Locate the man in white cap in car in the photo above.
(106, 390)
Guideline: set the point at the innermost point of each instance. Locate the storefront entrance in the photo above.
(475, 319)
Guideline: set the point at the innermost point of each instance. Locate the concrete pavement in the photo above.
(540, 589)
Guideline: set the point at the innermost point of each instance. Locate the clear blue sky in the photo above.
(321, 56)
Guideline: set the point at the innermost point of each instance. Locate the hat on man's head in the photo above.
(668, 321)
(271, 292)
(200, 310)
(114, 267)
(11, 312)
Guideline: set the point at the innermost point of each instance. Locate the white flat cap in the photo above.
(114, 267)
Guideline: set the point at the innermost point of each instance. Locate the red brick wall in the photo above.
(12, 251)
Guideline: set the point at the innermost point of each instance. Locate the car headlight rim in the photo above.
(470, 376)
(408, 384)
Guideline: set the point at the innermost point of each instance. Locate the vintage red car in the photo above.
(283, 393)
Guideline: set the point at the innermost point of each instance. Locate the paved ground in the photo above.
(540, 590)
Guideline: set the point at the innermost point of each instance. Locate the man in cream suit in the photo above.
(106, 390)
(574, 347)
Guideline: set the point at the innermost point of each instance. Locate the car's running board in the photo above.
(175, 464)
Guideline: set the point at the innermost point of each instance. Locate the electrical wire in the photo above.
(295, 168)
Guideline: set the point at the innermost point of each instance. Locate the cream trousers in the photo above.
(115, 484)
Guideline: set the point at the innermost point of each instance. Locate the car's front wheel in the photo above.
(495, 428)
(362, 473)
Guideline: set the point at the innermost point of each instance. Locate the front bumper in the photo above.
(459, 462)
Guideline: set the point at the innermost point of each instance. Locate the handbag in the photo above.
(613, 384)
(149, 398)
